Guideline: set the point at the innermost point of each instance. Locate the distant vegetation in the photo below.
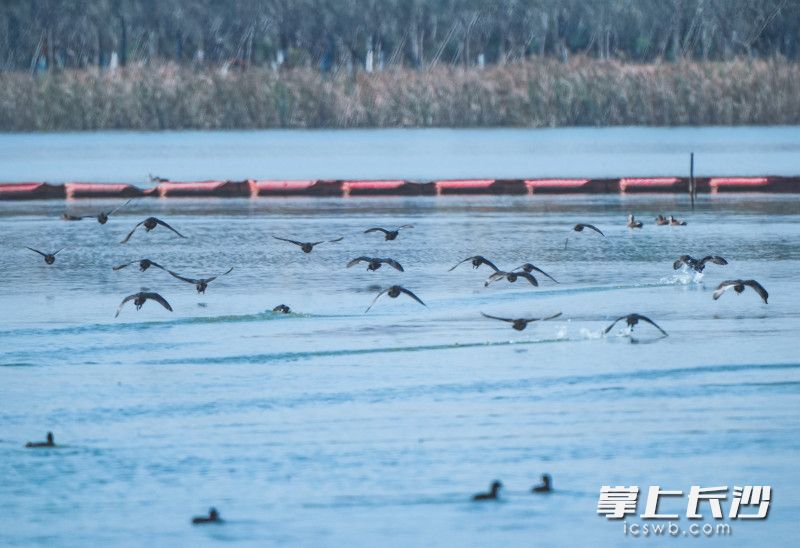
(158, 64)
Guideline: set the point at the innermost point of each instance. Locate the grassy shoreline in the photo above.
(535, 93)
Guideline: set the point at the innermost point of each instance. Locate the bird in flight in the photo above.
(698, 265)
(144, 264)
(633, 319)
(511, 277)
(200, 283)
(528, 267)
(149, 224)
(140, 298)
(388, 234)
(49, 258)
(738, 286)
(633, 223)
(393, 292)
(675, 222)
(520, 323)
(307, 247)
(477, 260)
(101, 217)
(580, 226)
(375, 263)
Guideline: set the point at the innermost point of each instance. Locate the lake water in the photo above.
(332, 427)
(402, 153)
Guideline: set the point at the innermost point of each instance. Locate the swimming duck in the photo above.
(140, 298)
(661, 220)
(281, 309)
(307, 247)
(388, 234)
(493, 493)
(511, 277)
(520, 323)
(633, 223)
(546, 486)
(144, 264)
(49, 258)
(477, 260)
(49, 443)
(633, 319)
(580, 226)
(738, 286)
(149, 224)
(394, 292)
(698, 265)
(375, 264)
(528, 267)
(200, 283)
(212, 517)
(69, 217)
(675, 222)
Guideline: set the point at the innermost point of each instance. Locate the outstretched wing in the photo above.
(376, 229)
(123, 265)
(497, 318)
(610, 327)
(128, 237)
(36, 251)
(376, 298)
(593, 228)
(651, 322)
(290, 241)
(714, 259)
(410, 294)
(393, 264)
(461, 262)
(499, 275)
(57, 252)
(159, 299)
(119, 207)
(211, 279)
(339, 239)
(537, 269)
(724, 286)
(165, 225)
(404, 226)
(759, 289)
(547, 318)
(529, 277)
(358, 260)
(680, 261)
(125, 300)
(187, 280)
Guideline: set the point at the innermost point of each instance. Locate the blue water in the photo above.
(399, 153)
(331, 427)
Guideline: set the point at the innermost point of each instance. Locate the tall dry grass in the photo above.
(537, 93)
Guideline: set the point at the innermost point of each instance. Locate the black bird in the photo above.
(477, 260)
(212, 517)
(48, 443)
(375, 264)
(308, 246)
(492, 494)
(282, 309)
(675, 222)
(698, 265)
(633, 223)
(580, 226)
(200, 283)
(528, 267)
(546, 486)
(394, 291)
(49, 258)
(149, 224)
(738, 286)
(661, 220)
(388, 234)
(103, 216)
(520, 323)
(633, 319)
(511, 277)
(144, 264)
(140, 298)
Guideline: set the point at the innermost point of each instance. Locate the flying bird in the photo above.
(698, 265)
(103, 216)
(200, 283)
(308, 246)
(633, 319)
(528, 267)
(494, 490)
(675, 222)
(140, 298)
(738, 286)
(149, 224)
(633, 223)
(661, 220)
(388, 234)
(520, 323)
(49, 258)
(580, 226)
(511, 277)
(477, 261)
(144, 264)
(375, 264)
(394, 292)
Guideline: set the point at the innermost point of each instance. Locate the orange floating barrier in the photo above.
(221, 189)
(385, 188)
(30, 191)
(480, 186)
(654, 184)
(569, 186)
(295, 188)
(100, 190)
(754, 184)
